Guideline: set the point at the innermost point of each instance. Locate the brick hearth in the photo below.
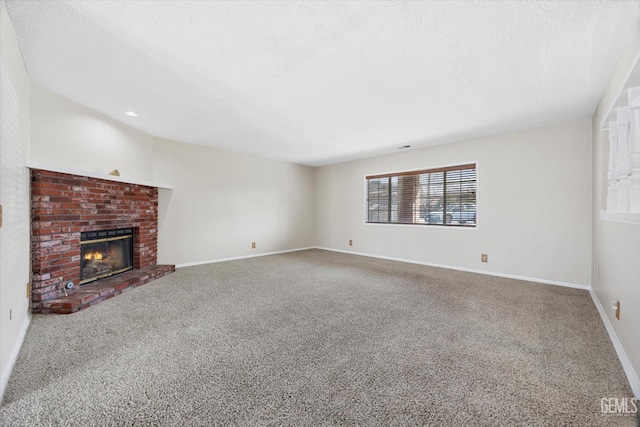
(92, 294)
(63, 206)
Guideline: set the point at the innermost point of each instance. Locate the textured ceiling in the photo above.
(321, 82)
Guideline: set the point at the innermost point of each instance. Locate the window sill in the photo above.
(423, 226)
(626, 218)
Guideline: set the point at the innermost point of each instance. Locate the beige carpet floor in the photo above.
(317, 338)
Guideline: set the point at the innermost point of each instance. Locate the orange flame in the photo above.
(93, 255)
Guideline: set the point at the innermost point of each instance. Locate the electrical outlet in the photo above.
(484, 258)
(10, 314)
(253, 245)
(597, 270)
(350, 242)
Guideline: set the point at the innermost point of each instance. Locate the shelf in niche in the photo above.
(71, 171)
(626, 218)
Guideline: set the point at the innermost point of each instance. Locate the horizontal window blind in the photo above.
(440, 196)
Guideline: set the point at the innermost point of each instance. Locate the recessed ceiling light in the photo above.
(131, 114)
(403, 147)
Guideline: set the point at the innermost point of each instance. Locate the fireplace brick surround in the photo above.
(63, 206)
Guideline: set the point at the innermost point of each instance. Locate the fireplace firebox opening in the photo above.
(105, 253)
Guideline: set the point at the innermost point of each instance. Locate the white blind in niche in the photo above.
(14, 194)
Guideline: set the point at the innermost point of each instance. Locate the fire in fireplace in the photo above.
(105, 253)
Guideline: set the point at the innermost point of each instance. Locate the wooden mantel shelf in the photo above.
(71, 171)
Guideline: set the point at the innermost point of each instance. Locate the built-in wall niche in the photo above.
(623, 175)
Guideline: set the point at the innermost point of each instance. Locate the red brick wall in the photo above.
(64, 205)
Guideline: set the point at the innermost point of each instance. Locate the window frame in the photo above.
(442, 168)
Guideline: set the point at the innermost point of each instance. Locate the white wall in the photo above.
(68, 135)
(534, 206)
(223, 201)
(14, 197)
(534, 200)
(616, 246)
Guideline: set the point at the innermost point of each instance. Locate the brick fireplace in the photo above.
(62, 207)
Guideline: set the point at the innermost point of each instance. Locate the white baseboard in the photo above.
(632, 375)
(6, 373)
(212, 261)
(470, 270)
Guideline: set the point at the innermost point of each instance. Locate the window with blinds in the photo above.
(441, 196)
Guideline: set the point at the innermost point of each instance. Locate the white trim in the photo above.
(430, 264)
(427, 168)
(71, 171)
(365, 204)
(421, 225)
(625, 218)
(618, 101)
(6, 374)
(212, 261)
(470, 270)
(632, 375)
